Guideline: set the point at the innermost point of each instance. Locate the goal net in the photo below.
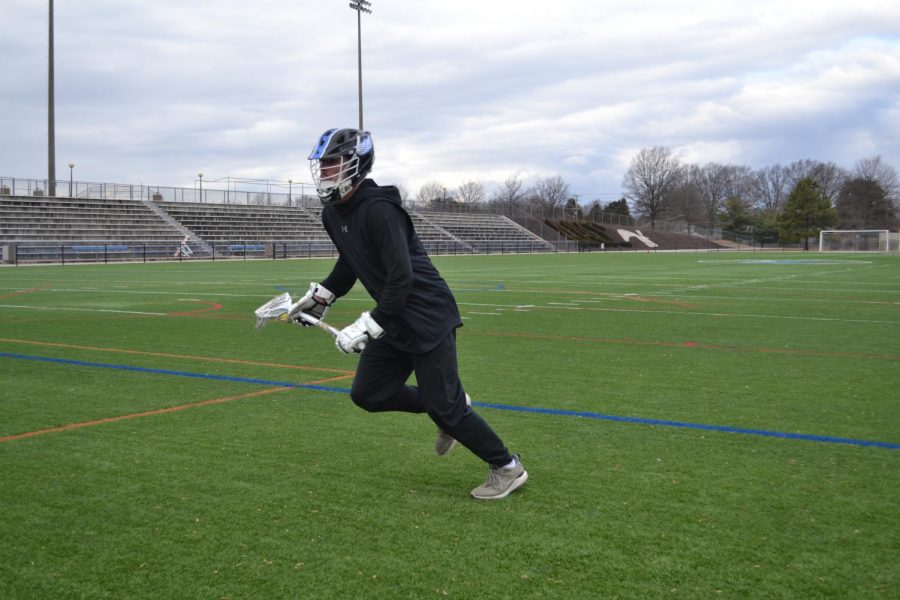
(858, 240)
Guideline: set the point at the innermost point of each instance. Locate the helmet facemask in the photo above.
(332, 175)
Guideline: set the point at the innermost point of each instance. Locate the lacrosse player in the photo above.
(412, 327)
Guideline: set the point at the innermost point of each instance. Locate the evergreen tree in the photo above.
(618, 207)
(735, 216)
(806, 213)
(863, 204)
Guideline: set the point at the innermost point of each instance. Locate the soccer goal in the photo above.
(858, 240)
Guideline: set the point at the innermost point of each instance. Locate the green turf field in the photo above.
(694, 426)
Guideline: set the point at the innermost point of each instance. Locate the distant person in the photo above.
(184, 249)
(413, 325)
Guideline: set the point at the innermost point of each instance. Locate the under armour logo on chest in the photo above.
(345, 229)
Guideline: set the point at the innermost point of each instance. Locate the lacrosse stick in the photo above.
(319, 323)
(277, 309)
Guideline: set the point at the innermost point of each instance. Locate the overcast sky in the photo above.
(155, 92)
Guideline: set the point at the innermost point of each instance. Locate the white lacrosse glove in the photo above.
(354, 337)
(317, 302)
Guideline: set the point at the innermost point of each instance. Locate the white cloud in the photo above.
(725, 152)
(154, 92)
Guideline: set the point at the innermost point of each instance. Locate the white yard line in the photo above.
(72, 308)
(750, 298)
(683, 313)
(144, 292)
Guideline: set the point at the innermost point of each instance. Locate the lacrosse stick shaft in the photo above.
(320, 324)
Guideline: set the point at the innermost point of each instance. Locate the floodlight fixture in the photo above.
(361, 5)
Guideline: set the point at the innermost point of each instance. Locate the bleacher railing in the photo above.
(263, 194)
(289, 193)
(284, 193)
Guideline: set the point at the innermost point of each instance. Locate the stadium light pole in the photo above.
(200, 175)
(360, 6)
(71, 173)
(290, 190)
(51, 113)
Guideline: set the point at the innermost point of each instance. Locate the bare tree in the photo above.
(684, 202)
(431, 192)
(549, 192)
(827, 175)
(650, 180)
(874, 169)
(770, 187)
(738, 182)
(471, 192)
(509, 194)
(800, 169)
(711, 184)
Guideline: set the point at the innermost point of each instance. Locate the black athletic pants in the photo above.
(380, 385)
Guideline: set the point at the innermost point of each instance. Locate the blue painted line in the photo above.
(508, 407)
(720, 428)
(81, 363)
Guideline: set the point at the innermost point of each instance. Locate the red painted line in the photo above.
(332, 379)
(148, 413)
(680, 303)
(22, 292)
(160, 411)
(214, 306)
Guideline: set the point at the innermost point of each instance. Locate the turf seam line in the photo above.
(507, 407)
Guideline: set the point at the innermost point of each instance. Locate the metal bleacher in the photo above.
(47, 228)
(218, 223)
(467, 233)
(480, 232)
(252, 230)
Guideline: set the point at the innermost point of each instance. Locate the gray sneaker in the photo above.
(501, 482)
(445, 442)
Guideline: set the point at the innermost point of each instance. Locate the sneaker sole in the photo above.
(520, 480)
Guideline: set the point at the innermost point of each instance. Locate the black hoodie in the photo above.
(378, 245)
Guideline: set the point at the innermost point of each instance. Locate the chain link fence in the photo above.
(263, 193)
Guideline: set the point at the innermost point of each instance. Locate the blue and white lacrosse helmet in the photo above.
(339, 161)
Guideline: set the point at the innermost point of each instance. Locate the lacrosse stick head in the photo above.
(275, 309)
